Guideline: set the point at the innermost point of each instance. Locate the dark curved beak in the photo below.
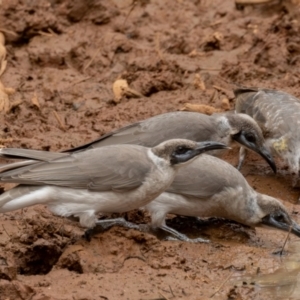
(209, 145)
(201, 148)
(262, 151)
(285, 224)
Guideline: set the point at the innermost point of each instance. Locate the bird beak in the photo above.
(268, 157)
(262, 151)
(285, 224)
(207, 146)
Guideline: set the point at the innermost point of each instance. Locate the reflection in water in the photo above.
(284, 283)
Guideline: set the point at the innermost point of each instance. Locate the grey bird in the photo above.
(224, 128)
(278, 115)
(210, 187)
(115, 178)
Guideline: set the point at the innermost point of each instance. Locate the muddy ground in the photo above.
(63, 58)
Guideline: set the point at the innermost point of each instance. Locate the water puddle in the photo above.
(284, 283)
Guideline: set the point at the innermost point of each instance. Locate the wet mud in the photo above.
(63, 58)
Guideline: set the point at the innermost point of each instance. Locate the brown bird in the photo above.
(278, 115)
(225, 128)
(115, 178)
(210, 187)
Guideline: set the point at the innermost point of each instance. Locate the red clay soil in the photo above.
(63, 58)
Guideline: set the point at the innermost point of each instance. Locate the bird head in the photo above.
(246, 132)
(274, 214)
(180, 151)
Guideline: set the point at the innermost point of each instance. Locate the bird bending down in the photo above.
(278, 115)
(109, 179)
(210, 187)
(224, 128)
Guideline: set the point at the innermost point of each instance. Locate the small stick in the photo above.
(281, 252)
(164, 297)
(221, 89)
(59, 120)
(157, 47)
(222, 284)
(91, 60)
(133, 5)
(252, 1)
(78, 81)
(8, 31)
(6, 231)
(171, 291)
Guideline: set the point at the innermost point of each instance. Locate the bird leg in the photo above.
(107, 224)
(180, 236)
(242, 156)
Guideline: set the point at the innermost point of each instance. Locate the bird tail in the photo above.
(20, 197)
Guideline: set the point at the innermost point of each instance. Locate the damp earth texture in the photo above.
(63, 60)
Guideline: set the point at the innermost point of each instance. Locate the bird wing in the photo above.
(117, 168)
(152, 131)
(276, 112)
(16, 153)
(205, 177)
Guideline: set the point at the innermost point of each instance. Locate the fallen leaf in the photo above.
(121, 88)
(199, 83)
(35, 101)
(200, 108)
(4, 99)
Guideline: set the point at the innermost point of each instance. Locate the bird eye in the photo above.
(280, 218)
(181, 150)
(250, 138)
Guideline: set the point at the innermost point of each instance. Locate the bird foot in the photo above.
(103, 225)
(194, 241)
(177, 236)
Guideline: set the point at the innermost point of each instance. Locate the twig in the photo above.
(61, 125)
(281, 252)
(91, 60)
(6, 231)
(221, 285)
(252, 1)
(221, 89)
(78, 81)
(171, 291)
(157, 46)
(8, 31)
(133, 5)
(164, 297)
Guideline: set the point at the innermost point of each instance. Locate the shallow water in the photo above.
(284, 283)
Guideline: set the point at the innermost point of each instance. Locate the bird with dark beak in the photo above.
(278, 115)
(109, 179)
(225, 128)
(210, 187)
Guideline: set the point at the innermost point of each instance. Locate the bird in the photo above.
(115, 178)
(211, 187)
(278, 115)
(225, 128)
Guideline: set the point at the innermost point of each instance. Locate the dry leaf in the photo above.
(2, 39)
(4, 99)
(225, 104)
(200, 108)
(199, 83)
(35, 101)
(121, 88)
(3, 61)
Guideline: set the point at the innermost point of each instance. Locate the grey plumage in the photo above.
(278, 115)
(210, 187)
(109, 179)
(224, 128)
